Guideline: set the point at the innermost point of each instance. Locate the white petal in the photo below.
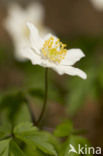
(28, 53)
(60, 69)
(70, 71)
(47, 36)
(35, 39)
(98, 4)
(75, 71)
(15, 9)
(18, 50)
(36, 59)
(36, 10)
(14, 18)
(72, 56)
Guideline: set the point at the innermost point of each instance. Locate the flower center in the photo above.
(54, 50)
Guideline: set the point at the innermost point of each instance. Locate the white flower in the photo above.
(50, 52)
(16, 24)
(98, 4)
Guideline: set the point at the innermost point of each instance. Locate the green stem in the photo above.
(45, 97)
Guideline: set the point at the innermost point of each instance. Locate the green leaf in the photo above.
(34, 138)
(11, 103)
(15, 149)
(51, 139)
(4, 147)
(39, 141)
(64, 129)
(5, 130)
(25, 128)
(23, 115)
(30, 152)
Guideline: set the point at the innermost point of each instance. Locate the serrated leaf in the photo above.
(34, 138)
(40, 142)
(51, 139)
(25, 128)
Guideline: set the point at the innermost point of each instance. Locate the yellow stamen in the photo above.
(54, 50)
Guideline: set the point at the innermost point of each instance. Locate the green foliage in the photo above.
(25, 127)
(15, 149)
(11, 102)
(13, 108)
(27, 140)
(22, 115)
(4, 147)
(9, 147)
(5, 130)
(30, 135)
(64, 129)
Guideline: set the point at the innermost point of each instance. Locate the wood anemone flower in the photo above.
(50, 52)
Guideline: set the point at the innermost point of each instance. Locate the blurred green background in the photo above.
(79, 25)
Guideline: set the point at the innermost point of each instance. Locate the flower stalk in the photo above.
(45, 97)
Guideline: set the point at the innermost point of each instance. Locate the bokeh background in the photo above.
(80, 25)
